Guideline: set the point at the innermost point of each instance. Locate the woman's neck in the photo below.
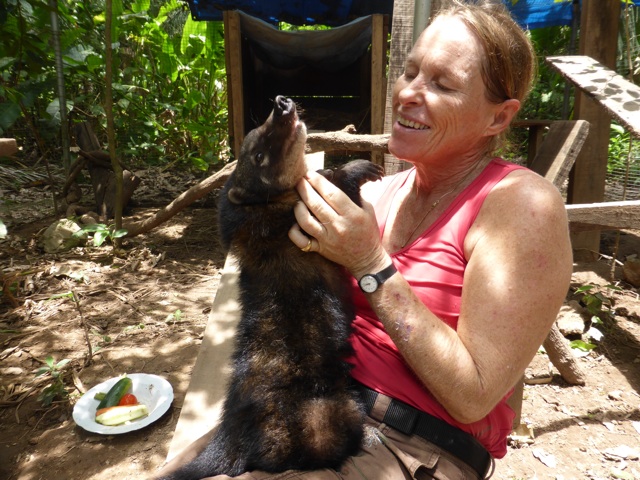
(429, 181)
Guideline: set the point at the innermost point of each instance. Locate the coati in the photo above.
(289, 404)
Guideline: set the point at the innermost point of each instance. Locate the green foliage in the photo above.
(169, 76)
(547, 96)
(595, 301)
(622, 151)
(599, 307)
(175, 317)
(101, 232)
(56, 389)
(582, 345)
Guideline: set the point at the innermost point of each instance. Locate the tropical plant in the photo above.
(169, 90)
(101, 232)
(56, 389)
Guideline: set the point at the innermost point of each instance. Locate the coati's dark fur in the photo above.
(289, 404)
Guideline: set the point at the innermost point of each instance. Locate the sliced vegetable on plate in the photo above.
(126, 403)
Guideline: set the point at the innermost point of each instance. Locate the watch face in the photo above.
(368, 284)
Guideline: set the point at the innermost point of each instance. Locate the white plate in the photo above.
(154, 391)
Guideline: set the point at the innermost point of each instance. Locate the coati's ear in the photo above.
(237, 195)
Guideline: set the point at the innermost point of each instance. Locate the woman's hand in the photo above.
(338, 228)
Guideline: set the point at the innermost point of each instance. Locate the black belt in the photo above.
(412, 421)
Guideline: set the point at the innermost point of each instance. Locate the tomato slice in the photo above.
(128, 399)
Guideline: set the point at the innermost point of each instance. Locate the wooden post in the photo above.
(378, 80)
(598, 39)
(235, 94)
(401, 43)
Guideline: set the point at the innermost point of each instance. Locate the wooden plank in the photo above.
(604, 216)
(235, 95)
(617, 95)
(559, 150)
(203, 402)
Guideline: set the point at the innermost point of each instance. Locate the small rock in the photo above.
(546, 458)
(623, 452)
(622, 475)
(569, 320)
(539, 371)
(631, 270)
(615, 395)
(58, 237)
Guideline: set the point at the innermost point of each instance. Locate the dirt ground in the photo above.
(145, 310)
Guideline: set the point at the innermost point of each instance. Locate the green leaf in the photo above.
(61, 295)
(581, 345)
(93, 227)
(78, 54)
(99, 237)
(585, 288)
(93, 62)
(6, 61)
(9, 113)
(140, 6)
(62, 363)
(41, 371)
(119, 233)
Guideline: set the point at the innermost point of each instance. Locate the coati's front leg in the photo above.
(351, 176)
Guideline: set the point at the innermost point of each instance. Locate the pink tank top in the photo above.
(434, 266)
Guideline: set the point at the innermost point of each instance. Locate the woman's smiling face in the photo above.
(439, 102)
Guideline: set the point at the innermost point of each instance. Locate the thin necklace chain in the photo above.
(437, 202)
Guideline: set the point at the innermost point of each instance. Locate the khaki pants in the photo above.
(386, 454)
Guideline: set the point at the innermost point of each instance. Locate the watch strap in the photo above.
(386, 273)
(379, 278)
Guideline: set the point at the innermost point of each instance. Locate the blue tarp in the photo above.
(303, 12)
(529, 13)
(541, 13)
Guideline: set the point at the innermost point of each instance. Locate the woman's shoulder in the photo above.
(528, 195)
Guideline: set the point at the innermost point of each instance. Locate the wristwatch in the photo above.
(370, 282)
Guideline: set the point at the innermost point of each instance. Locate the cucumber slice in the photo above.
(118, 415)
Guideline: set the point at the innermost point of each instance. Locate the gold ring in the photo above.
(307, 247)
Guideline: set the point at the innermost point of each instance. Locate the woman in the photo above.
(481, 246)
(460, 264)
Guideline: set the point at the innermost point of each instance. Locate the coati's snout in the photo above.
(271, 158)
(284, 107)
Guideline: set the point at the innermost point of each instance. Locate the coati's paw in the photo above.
(359, 171)
(350, 177)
